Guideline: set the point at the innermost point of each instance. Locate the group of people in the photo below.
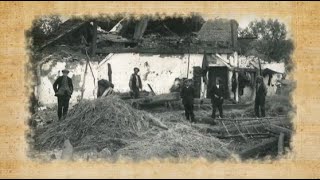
(63, 88)
(217, 93)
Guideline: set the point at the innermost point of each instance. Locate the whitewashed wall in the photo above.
(157, 70)
(51, 70)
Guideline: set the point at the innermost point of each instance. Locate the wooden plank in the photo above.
(255, 135)
(281, 144)
(278, 129)
(151, 89)
(157, 99)
(251, 151)
(253, 118)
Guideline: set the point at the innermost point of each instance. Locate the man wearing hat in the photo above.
(135, 83)
(217, 92)
(261, 92)
(187, 94)
(63, 89)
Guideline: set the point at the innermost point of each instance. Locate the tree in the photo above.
(43, 28)
(271, 44)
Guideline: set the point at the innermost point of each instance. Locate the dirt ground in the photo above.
(181, 139)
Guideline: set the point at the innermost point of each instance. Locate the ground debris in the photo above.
(179, 142)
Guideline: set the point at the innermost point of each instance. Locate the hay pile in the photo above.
(179, 142)
(106, 122)
(42, 117)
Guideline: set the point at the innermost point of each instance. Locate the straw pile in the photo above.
(104, 122)
(179, 142)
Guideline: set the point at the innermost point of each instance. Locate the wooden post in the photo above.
(237, 90)
(109, 72)
(281, 144)
(94, 39)
(236, 60)
(230, 93)
(188, 62)
(260, 73)
(84, 80)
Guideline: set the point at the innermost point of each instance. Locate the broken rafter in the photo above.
(255, 135)
(252, 119)
(75, 27)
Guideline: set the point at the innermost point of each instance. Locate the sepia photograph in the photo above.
(159, 89)
(156, 86)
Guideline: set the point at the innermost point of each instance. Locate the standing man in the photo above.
(187, 94)
(63, 89)
(234, 84)
(261, 92)
(217, 93)
(135, 83)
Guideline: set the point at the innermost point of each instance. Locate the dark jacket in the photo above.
(234, 83)
(132, 82)
(218, 92)
(261, 93)
(58, 83)
(187, 95)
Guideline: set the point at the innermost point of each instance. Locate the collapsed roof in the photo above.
(175, 34)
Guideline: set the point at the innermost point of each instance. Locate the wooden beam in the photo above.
(107, 50)
(255, 135)
(278, 129)
(109, 73)
(94, 39)
(156, 99)
(252, 151)
(153, 93)
(61, 35)
(281, 144)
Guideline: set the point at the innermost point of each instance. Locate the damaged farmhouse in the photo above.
(101, 55)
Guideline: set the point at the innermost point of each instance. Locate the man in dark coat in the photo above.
(187, 94)
(135, 83)
(234, 84)
(63, 89)
(261, 92)
(217, 93)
